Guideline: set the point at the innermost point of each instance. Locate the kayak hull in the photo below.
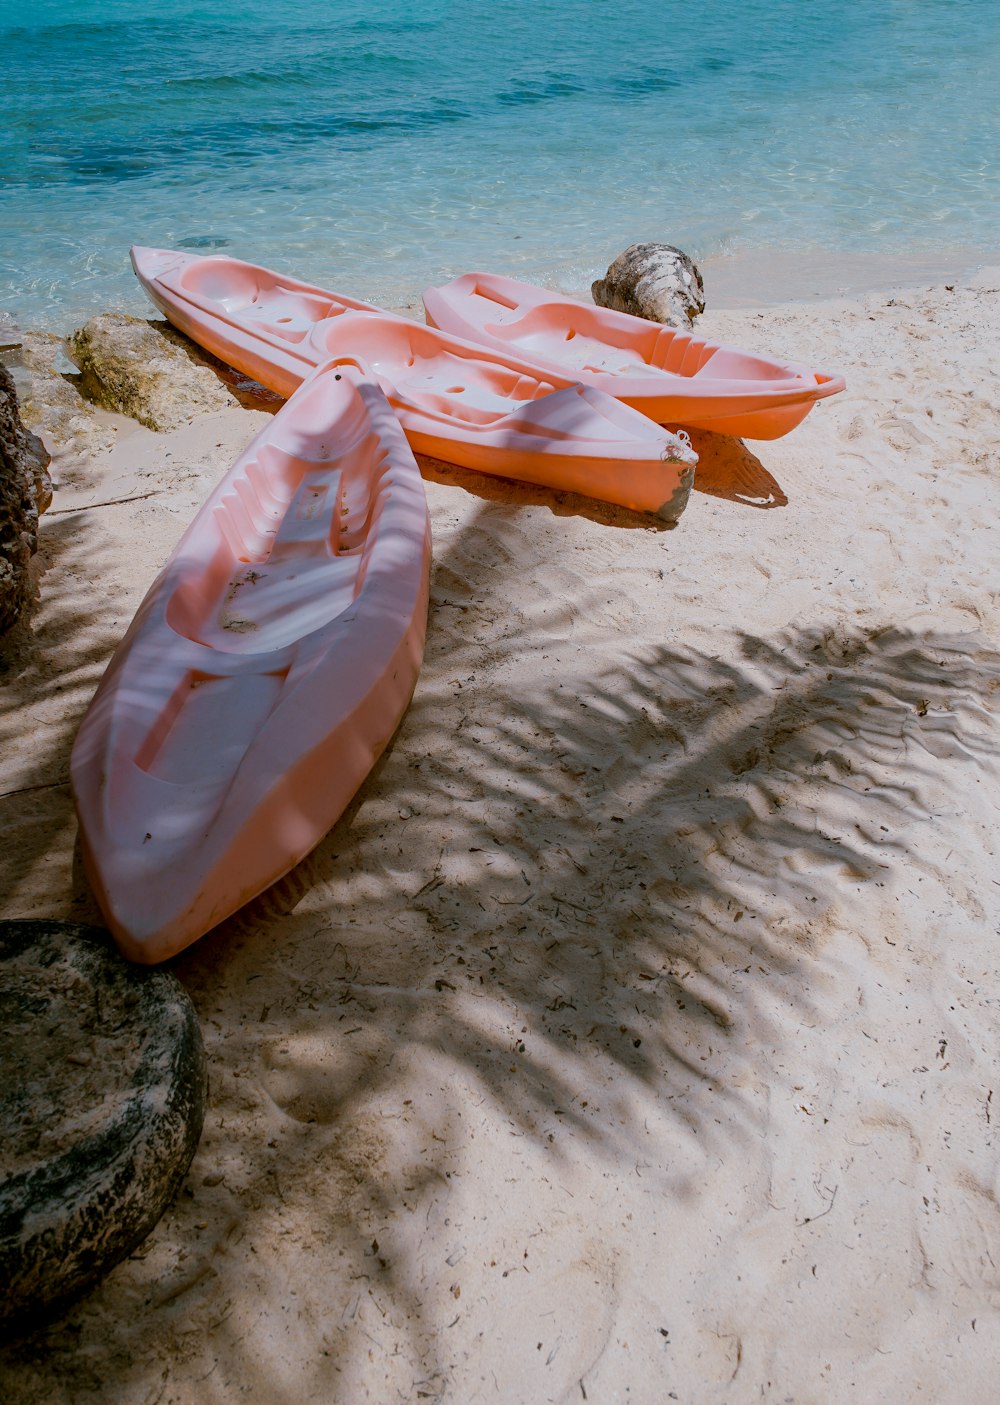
(494, 412)
(265, 671)
(670, 375)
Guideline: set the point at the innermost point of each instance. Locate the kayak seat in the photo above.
(298, 529)
(207, 724)
(467, 389)
(289, 314)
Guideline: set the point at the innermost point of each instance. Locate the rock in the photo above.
(39, 458)
(50, 401)
(145, 371)
(25, 490)
(101, 1109)
(655, 281)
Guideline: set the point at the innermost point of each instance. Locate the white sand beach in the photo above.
(633, 1038)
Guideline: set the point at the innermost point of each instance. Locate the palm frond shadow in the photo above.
(571, 905)
(565, 898)
(588, 865)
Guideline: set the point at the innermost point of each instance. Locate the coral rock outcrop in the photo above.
(145, 372)
(655, 281)
(25, 490)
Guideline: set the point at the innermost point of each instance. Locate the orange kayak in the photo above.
(264, 672)
(493, 411)
(670, 375)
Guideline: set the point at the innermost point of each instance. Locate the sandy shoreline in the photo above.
(762, 278)
(633, 1037)
(747, 280)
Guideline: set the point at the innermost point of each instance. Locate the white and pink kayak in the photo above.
(672, 376)
(485, 409)
(264, 673)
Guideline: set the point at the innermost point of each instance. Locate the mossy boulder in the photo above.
(145, 371)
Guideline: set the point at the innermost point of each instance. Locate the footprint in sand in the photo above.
(902, 435)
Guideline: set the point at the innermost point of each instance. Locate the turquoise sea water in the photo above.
(376, 147)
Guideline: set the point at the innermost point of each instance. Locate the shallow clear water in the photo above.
(376, 147)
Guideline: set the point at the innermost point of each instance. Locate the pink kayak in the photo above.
(670, 375)
(482, 409)
(263, 674)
